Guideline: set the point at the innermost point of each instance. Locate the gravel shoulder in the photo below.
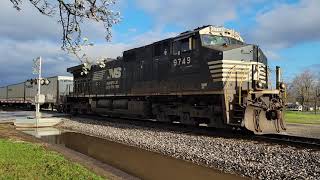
(237, 156)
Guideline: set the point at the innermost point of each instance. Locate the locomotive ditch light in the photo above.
(282, 86)
(259, 84)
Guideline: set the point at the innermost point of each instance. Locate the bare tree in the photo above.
(73, 14)
(302, 87)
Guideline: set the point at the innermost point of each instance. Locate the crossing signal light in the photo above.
(42, 81)
(32, 81)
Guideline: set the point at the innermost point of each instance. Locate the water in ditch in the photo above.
(138, 162)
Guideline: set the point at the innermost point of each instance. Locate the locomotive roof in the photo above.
(208, 29)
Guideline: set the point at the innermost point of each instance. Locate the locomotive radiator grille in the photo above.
(98, 75)
(231, 70)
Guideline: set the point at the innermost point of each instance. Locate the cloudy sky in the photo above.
(287, 30)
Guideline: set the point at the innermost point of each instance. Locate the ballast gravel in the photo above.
(238, 156)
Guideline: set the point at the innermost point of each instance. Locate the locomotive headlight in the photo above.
(282, 86)
(259, 84)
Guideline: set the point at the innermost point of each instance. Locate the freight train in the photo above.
(208, 76)
(22, 95)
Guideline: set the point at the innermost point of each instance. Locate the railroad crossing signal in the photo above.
(36, 66)
(43, 81)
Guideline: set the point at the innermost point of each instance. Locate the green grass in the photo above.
(21, 160)
(302, 117)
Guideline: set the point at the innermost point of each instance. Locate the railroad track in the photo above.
(292, 140)
(282, 139)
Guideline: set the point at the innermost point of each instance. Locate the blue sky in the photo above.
(287, 30)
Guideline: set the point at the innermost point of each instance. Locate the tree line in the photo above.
(304, 88)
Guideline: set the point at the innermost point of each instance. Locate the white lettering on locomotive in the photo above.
(181, 61)
(112, 85)
(114, 73)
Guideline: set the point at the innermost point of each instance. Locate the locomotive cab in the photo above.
(241, 70)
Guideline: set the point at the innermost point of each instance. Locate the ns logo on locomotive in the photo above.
(208, 75)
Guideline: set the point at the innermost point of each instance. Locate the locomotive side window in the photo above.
(185, 45)
(182, 45)
(234, 41)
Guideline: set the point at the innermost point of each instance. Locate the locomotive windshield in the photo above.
(209, 40)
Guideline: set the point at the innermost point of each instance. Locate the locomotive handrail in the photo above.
(241, 81)
(268, 74)
(226, 85)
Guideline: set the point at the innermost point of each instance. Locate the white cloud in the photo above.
(27, 34)
(16, 60)
(26, 24)
(287, 25)
(190, 13)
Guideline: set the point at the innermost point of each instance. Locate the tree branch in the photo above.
(72, 14)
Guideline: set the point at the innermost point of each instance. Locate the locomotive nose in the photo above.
(246, 53)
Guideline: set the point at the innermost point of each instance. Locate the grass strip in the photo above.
(22, 160)
(302, 117)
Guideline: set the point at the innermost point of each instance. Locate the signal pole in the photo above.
(316, 100)
(37, 70)
(39, 86)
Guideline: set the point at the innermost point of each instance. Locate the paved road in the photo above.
(11, 115)
(305, 130)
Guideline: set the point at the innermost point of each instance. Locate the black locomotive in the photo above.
(204, 76)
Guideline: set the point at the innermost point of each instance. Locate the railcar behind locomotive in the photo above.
(208, 75)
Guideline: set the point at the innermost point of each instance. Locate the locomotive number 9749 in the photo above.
(181, 61)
